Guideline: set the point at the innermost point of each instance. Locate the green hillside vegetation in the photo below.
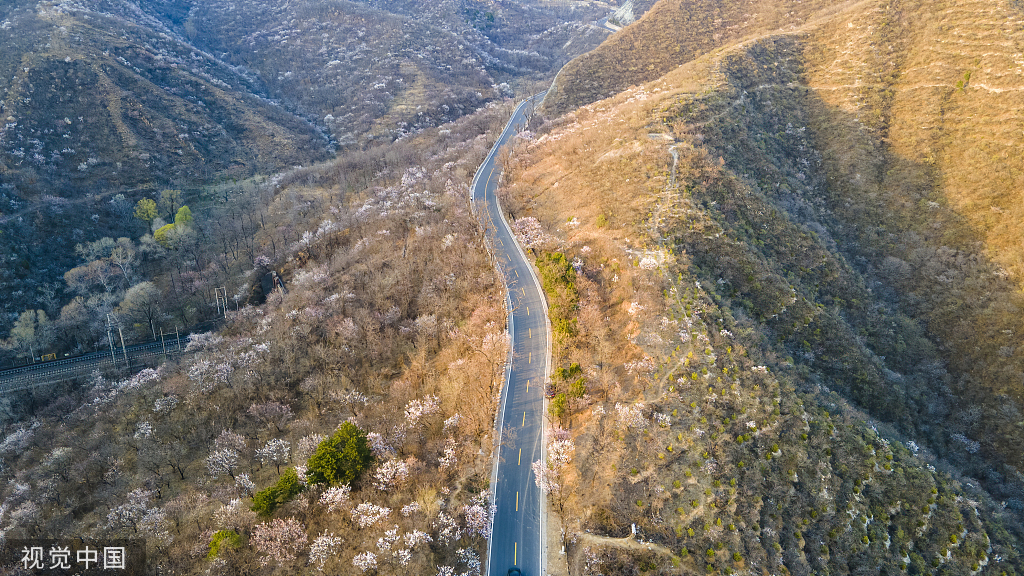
(797, 335)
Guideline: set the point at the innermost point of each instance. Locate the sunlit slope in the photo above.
(671, 33)
(739, 352)
(912, 112)
(848, 197)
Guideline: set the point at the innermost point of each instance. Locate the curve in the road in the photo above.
(517, 534)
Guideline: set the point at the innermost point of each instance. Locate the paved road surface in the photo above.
(517, 537)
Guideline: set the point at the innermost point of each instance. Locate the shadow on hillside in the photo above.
(908, 318)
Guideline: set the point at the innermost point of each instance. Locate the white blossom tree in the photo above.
(324, 546)
(274, 452)
(367, 514)
(365, 561)
(390, 474)
(335, 497)
(221, 462)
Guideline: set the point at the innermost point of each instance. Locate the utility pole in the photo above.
(221, 294)
(123, 349)
(162, 343)
(110, 341)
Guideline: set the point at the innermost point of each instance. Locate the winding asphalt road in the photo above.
(517, 537)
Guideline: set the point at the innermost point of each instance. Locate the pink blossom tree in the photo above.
(280, 540)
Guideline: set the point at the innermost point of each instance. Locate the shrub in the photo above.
(183, 217)
(341, 458)
(287, 487)
(559, 405)
(162, 236)
(225, 538)
(578, 388)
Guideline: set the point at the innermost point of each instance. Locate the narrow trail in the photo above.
(628, 543)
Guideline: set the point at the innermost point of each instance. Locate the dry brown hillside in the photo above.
(671, 33)
(839, 204)
(912, 116)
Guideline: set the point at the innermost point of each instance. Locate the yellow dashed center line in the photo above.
(527, 385)
(531, 332)
(524, 418)
(517, 273)
(515, 551)
(520, 457)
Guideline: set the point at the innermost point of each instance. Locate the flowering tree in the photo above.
(367, 514)
(449, 460)
(272, 413)
(452, 423)
(323, 547)
(448, 529)
(335, 497)
(560, 451)
(631, 415)
(390, 474)
(478, 515)
(416, 537)
(306, 446)
(545, 477)
(418, 409)
(230, 440)
(280, 540)
(365, 561)
(274, 452)
(131, 513)
(246, 486)
(530, 233)
(234, 516)
(221, 462)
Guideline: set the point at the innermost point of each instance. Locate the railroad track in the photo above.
(24, 377)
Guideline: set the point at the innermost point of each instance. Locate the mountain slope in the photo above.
(103, 99)
(827, 203)
(388, 68)
(119, 97)
(905, 166)
(673, 32)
